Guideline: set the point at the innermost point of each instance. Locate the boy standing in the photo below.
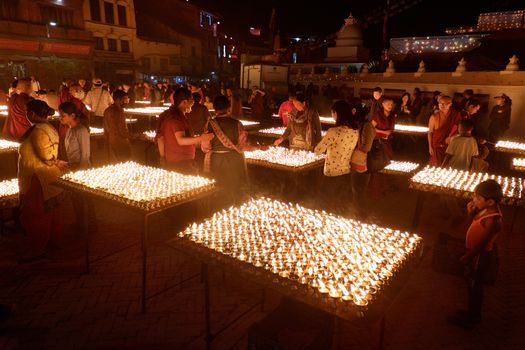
(462, 147)
(481, 250)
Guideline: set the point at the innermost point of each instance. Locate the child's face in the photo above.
(481, 202)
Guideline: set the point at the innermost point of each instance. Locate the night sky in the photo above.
(294, 17)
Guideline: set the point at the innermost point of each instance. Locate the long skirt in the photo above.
(42, 225)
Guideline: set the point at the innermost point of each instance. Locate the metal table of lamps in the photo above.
(513, 196)
(400, 168)
(145, 209)
(518, 164)
(513, 147)
(351, 305)
(294, 163)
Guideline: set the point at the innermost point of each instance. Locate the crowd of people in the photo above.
(190, 141)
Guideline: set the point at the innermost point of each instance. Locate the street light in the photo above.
(52, 24)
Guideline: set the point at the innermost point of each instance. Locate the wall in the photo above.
(492, 83)
(155, 51)
(30, 46)
(109, 30)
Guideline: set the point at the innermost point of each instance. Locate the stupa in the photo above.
(349, 44)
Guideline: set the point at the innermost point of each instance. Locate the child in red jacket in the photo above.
(481, 250)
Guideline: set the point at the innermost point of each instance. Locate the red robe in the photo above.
(440, 135)
(17, 123)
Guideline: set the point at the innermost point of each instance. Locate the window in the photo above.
(63, 17)
(8, 9)
(205, 19)
(108, 10)
(112, 44)
(122, 19)
(146, 63)
(99, 43)
(94, 9)
(164, 64)
(124, 45)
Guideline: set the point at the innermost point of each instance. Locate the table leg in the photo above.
(336, 333)
(382, 333)
(108, 151)
(263, 299)
(417, 212)
(85, 229)
(144, 260)
(514, 218)
(207, 316)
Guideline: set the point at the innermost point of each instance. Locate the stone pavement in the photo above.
(60, 307)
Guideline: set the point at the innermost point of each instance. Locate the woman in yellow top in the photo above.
(339, 144)
(38, 169)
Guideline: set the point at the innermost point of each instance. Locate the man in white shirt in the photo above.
(98, 99)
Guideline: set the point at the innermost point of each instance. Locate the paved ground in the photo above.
(60, 307)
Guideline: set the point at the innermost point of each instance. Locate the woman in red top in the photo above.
(175, 137)
(383, 121)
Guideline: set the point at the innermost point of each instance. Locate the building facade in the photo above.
(112, 23)
(124, 50)
(195, 30)
(46, 39)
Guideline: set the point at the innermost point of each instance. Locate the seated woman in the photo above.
(38, 170)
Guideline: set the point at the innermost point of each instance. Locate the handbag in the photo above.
(377, 159)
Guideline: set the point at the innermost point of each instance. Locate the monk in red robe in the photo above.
(441, 127)
(17, 123)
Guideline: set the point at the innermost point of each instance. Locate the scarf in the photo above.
(225, 140)
(298, 117)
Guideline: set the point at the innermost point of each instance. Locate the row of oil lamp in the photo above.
(139, 185)
(96, 131)
(245, 122)
(150, 134)
(411, 128)
(510, 146)
(8, 189)
(146, 111)
(294, 158)
(518, 164)
(8, 146)
(322, 119)
(401, 167)
(278, 131)
(326, 120)
(464, 181)
(342, 258)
